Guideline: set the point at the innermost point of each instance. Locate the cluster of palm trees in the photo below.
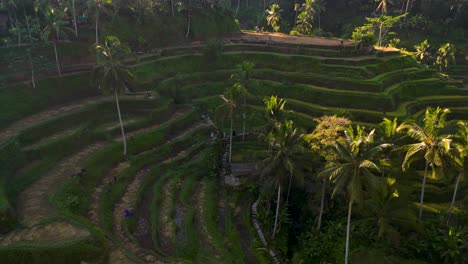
(355, 159)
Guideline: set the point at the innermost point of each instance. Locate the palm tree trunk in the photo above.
(348, 227)
(74, 18)
(27, 24)
(264, 8)
(277, 212)
(57, 58)
(319, 22)
(33, 81)
(121, 124)
(237, 9)
(172, 7)
(380, 35)
(230, 141)
(452, 204)
(295, 20)
(97, 24)
(189, 18)
(421, 202)
(289, 188)
(406, 10)
(243, 126)
(322, 203)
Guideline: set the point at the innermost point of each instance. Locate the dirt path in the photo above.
(279, 38)
(32, 120)
(33, 202)
(57, 231)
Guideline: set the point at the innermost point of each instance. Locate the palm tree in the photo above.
(244, 72)
(96, 5)
(352, 170)
(388, 210)
(275, 110)
(388, 129)
(319, 7)
(285, 143)
(459, 158)
(189, 18)
(55, 27)
(74, 18)
(274, 16)
(230, 104)
(430, 142)
(112, 74)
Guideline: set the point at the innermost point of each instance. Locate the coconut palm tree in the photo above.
(319, 8)
(431, 143)
(244, 72)
(275, 110)
(112, 75)
(285, 143)
(96, 6)
(231, 99)
(387, 209)
(459, 157)
(55, 29)
(274, 17)
(352, 171)
(388, 132)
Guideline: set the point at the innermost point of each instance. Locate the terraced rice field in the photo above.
(178, 209)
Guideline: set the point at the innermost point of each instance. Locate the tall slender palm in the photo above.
(285, 143)
(388, 132)
(55, 28)
(75, 25)
(189, 23)
(274, 17)
(230, 105)
(319, 7)
(244, 72)
(112, 75)
(459, 158)
(431, 143)
(96, 6)
(352, 171)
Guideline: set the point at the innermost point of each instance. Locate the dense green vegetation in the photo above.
(154, 131)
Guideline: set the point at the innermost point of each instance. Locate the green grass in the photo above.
(73, 251)
(21, 100)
